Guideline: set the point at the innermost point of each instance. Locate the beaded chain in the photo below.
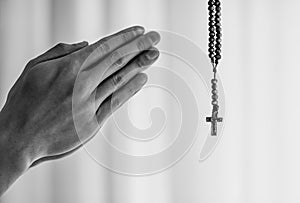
(214, 53)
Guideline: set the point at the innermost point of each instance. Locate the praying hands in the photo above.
(36, 122)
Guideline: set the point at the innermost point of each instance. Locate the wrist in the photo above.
(13, 153)
(14, 161)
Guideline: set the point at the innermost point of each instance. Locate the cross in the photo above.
(214, 119)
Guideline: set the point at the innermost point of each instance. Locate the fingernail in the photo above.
(155, 37)
(144, 78)
(139, 30)
(152, 54)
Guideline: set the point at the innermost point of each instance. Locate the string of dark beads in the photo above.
(218, 32)
(214, 49)
(211, 29)
(215, 35)
(214, 45)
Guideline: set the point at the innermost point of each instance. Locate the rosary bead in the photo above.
(214, 97)
(211, 29)
(211, 50)
(214, 91)
(218, 56)
(218, 40)
(211, 17)
(214, 86)
(212, 34)
(211, 39)
(214, 81)
(214, 102)
(219, 35)
(211, 8)
(211, 55)
(211, 45)
(217, 19)
(211, 13)
(218, 45)
(211, 3)
(218, 24)
(218, 52)
(218, 9)
(217, 3)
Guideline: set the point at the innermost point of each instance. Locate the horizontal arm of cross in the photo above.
(211, 119)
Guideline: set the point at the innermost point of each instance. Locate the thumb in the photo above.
(58, 51)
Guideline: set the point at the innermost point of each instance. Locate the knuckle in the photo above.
(141, 45)
(125, 37)
(115, 102)
(140, 62)
(103, 48)
(119, 62)
(116, 79)
(115, 56)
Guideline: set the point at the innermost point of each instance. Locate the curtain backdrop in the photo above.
(257, 157)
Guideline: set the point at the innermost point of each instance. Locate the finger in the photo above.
(114, 82)
(99, 49)
(58, 51)
(119, 58)
(117, 99)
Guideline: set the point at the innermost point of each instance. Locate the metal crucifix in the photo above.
(214, 119)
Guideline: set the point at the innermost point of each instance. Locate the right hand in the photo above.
(38, 111)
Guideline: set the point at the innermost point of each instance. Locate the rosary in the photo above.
(214, 50)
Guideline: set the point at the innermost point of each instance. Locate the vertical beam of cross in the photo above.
(214, 119)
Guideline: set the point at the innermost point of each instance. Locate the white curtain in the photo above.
(257, 157)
